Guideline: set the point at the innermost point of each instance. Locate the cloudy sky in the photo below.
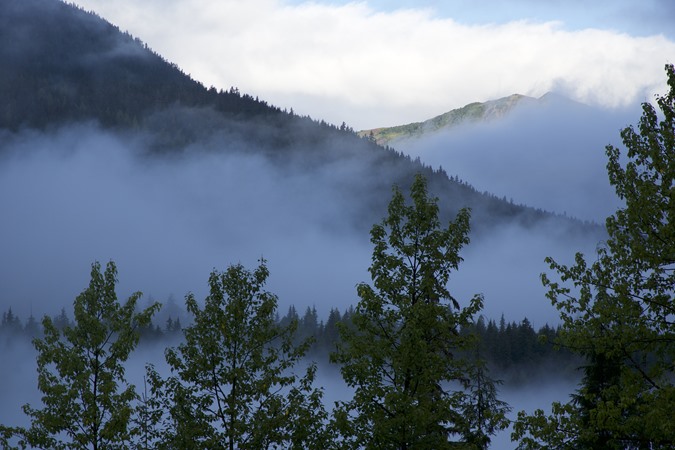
(381, 63)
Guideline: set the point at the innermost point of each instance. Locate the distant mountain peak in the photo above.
(471, 113)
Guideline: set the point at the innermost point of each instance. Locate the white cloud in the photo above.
(350, 62)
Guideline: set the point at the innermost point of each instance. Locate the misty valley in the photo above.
(189, 267)
(521, 357)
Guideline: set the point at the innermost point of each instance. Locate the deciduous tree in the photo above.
(87, 401)
(403, 353)
(234, 384)
(618, 310)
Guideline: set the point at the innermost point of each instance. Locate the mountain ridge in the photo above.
(63, 64)
(470, 113)
(77, 67)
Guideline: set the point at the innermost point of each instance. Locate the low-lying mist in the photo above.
(82, 195)
(548, 154)
(79, 194)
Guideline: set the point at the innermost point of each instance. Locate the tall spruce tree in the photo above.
(618, 310)
(403, 353)
(87, 401)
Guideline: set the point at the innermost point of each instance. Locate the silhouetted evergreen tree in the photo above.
(10, 324)
(61, 321)
(32, 328)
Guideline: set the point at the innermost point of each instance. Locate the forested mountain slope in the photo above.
(60, 65)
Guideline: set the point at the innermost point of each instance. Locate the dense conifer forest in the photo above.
(510, 348)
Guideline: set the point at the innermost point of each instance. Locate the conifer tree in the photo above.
(11, 324)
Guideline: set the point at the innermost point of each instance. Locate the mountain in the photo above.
(110, 152)
(546, 152)
(61, 65)
(473, 112)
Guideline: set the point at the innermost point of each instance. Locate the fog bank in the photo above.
(548, 154)
(78, 195)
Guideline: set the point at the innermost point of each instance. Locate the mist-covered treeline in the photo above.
(234, 382)
(204, 176)
(510, 348)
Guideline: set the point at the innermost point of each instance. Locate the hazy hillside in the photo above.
(110, 152)
(547, 152)
(60, 65)
(473, 112)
